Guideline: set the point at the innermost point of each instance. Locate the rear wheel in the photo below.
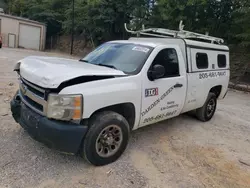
(106, 139)
(206, 112)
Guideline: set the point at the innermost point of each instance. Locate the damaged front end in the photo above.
(29, 109)
(64, 136)
(41, 80)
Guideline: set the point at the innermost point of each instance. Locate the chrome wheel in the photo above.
(211, 107)
(109, 141)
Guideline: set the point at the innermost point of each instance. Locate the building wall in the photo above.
(11, 26)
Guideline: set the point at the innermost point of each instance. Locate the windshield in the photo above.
(126, 57)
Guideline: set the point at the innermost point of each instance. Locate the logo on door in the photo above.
(151, 92)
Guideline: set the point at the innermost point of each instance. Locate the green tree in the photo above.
(241, 23)
(50, 12)
(211, 16)
(3, 4)
(104, 19)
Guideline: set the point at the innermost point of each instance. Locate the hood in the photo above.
(50, 72)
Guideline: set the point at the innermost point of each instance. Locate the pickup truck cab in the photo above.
(89, 107)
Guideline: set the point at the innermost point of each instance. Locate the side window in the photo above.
(169, 60)
(201, 61)
(222, 61)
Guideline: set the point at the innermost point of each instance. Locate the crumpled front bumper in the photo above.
(63, 136)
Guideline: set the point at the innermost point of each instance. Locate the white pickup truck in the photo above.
(89, 107)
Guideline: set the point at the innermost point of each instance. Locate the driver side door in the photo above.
(164, 98)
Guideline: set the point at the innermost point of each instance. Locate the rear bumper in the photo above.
(63, 136)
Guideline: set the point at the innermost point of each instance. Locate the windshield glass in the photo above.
(126, 57)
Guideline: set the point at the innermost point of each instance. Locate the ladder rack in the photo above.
(166, 33)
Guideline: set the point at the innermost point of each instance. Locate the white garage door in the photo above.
(29, 37)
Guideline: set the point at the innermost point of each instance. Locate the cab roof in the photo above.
(154, 42)
(139, 42)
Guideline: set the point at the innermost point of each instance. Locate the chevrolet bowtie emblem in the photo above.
(24, 89)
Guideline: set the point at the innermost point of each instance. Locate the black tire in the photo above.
(205, 113)
(191, 113)
(0, 45)
(97, 125)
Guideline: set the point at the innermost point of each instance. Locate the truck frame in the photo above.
(89, 107)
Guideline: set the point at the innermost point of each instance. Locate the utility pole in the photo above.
(73, 26)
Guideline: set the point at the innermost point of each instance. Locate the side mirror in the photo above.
(156, 72)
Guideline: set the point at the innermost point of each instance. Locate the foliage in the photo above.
(3, 4)
(103, 20)
(50, 12)
(242, 23)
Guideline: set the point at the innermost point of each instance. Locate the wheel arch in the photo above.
(127, 110)
(216, 90)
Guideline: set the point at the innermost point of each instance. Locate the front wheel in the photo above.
(206, 112)
(106, 139)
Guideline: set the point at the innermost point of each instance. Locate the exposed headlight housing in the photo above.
(17, 67)
(65, 107)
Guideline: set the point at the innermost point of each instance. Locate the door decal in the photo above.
(170, 105)
(156, 102)
(151, 92)
(160, 116)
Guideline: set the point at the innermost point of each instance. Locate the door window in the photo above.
(169, 60)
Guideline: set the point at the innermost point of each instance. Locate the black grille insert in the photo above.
(33, 103)
(32, 89)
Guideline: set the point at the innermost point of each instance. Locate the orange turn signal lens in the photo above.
(78, 101)
(77, 105)
(77, 114)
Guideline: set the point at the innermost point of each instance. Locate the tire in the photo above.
(103, 144)
(206, 112)
(191, 113)
(0, 45)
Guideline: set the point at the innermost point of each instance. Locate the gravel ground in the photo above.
(181, 152)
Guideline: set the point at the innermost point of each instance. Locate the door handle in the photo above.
(178, 85)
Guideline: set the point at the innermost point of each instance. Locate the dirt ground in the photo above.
(181, 152)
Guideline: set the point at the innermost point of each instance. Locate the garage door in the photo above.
(29, 37)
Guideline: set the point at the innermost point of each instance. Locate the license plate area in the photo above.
(28, 117)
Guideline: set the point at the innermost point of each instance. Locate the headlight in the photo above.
(65, 107)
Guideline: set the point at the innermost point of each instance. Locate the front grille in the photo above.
(35, 89)
(34, 104)
(33, 96)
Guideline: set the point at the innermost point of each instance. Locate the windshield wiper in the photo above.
(100, 64)
(83, 60)
(109, 66)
